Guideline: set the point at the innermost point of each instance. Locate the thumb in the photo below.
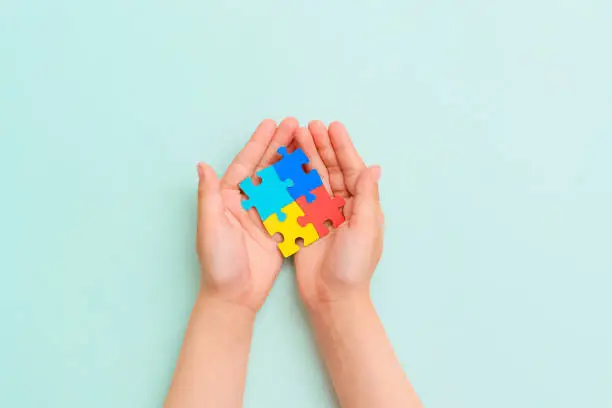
(209, 192)
(366, 204)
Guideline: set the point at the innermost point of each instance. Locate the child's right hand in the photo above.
(339, 266)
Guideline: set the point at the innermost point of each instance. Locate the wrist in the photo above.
(343, 322)
(341, 306)
(238, 293)
(225, 308)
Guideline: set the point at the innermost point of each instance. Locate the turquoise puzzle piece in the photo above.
(269, 197)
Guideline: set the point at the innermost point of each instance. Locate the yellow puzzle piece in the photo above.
(290, 229)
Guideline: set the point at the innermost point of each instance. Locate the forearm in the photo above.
(359, 357)
(211, 369)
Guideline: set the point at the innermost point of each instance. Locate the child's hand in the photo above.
(340, 265)
(239, 260)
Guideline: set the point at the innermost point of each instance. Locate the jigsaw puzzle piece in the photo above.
(291, 230)
(270, 196)
(290, 167)
(324, 208)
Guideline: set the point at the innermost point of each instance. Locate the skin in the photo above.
(240, 261)
(334, 278)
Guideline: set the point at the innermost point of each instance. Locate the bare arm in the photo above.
(359, 357)
(211, 369)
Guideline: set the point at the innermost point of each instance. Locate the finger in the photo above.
(348, 158)
(246, 161)
(282, 137)
(327, 154)
(366, 204)
(292, 146)
(304, 140)
(210, 203)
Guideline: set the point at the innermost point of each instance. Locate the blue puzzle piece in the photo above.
(290, 167)
(269, 197)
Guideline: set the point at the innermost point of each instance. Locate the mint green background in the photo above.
(492, 123)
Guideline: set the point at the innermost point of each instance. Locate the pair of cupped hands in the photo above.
(239, 260)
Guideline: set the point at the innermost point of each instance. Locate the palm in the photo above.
(257, 249)
(317, 263)
(336, 260)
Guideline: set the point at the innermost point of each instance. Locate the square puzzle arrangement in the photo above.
(292, 202)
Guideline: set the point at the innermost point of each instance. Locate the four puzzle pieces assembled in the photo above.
(291, 230)
(323, 208)
(292, 202)
(269, 197)
(290, 167)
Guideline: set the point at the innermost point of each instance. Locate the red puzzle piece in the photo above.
(323, 208)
